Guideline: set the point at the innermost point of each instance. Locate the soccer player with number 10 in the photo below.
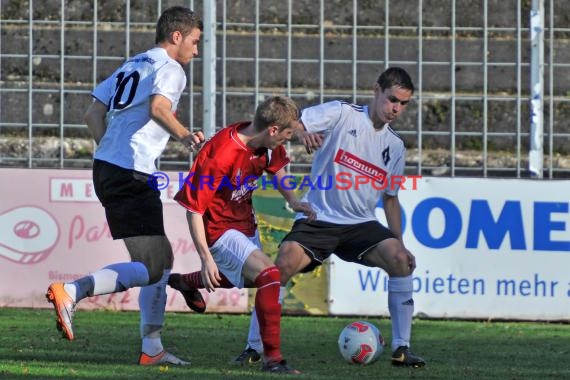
(131, 119)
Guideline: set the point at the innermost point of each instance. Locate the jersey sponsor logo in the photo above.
(245, 189)
(361, 166)
(352, 132)
(244, 193)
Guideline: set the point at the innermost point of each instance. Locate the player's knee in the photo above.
(291, 260)
(286, 270)
(401, 263)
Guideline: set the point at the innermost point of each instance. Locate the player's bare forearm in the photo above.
(161, 112)
(95, 120)
(393, 213)
(198, 233)
(284, 187)
(210, 275)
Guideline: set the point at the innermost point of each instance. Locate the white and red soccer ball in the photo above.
(360, 343)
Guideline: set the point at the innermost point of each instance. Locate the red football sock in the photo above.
(268, 311)
(194, 280)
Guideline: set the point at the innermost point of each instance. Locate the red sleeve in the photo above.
(278, 159)
(201, 183)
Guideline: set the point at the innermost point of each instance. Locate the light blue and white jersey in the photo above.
(354, 164)
(132, 139)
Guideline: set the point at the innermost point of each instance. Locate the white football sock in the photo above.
(401, 306)
(152, 304)
(71, 290)
(253, 336)
(152, 346)
(111, 279)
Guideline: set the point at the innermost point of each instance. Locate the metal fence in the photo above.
(470, 61)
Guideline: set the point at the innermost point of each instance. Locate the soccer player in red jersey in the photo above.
(217, 195)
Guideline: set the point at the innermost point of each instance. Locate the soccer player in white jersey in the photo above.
(131, 119)
(356, 141)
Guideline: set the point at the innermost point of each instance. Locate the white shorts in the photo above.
(231, 251)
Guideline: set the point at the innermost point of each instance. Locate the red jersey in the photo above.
(221, 181)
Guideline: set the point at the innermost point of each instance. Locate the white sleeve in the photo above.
(169, 82)
(321, 118)
(105, 90)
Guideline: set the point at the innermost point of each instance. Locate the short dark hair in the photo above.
(276, 110)
(174, 19)
(395, 76)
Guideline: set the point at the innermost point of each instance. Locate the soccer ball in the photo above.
(361, 343)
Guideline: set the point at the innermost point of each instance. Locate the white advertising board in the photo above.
(485, 248)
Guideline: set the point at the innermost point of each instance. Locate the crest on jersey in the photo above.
(386, 156)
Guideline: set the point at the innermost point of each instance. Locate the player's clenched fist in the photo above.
(311, 141)
(193, 141)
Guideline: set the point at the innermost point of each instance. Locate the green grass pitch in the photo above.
(107, 347)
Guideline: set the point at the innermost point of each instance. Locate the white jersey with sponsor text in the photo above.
(132, 139)
(352, 151)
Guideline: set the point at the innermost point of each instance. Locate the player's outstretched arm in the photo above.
(95, 120)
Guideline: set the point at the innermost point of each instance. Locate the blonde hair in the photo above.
(276, 110)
